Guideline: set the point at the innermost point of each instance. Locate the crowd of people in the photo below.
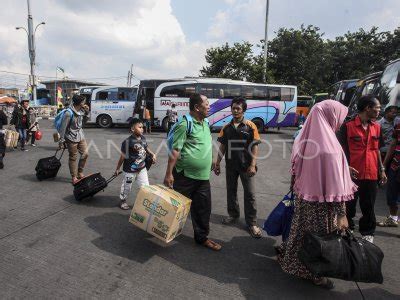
(25, 121)
(349, 160)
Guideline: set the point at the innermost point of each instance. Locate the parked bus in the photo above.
(303, 105)
(365, 86)
(388, 87)
(343, 91)
(109, 105)
(267, 105)
(384, 85)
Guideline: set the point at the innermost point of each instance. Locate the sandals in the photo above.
(324, 283)
(123, 205)
(212, 245)
(255, 231)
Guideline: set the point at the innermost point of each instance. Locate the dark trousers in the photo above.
(250, 209)
(32, 136)
(199, 192)
(393, 189)
(366, 194)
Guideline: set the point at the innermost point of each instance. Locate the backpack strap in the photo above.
(72, 113)
(189, 123)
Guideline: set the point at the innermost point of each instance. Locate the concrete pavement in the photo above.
(53, 247)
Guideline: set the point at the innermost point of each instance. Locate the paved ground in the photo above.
(53, 247)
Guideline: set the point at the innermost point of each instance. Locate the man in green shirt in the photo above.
(190, 165)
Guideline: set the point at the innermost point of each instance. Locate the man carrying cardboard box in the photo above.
(190, 164)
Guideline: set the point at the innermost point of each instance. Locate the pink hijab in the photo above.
(318, 161)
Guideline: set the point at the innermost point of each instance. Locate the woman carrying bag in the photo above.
(322, 184)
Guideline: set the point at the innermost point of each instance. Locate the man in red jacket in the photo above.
(361, 140)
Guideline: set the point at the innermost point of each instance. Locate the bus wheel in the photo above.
(104, 121)
(259, 124)
(164, 124)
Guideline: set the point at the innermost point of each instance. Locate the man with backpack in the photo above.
(69, 123)
(190, 164)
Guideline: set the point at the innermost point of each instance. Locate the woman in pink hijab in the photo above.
(321, 182)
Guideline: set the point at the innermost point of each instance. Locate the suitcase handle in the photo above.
(62, 153)
(113, 177)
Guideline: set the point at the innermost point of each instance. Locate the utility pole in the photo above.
(266, 43)
(31, 48)
(130, 75)
(32, 55)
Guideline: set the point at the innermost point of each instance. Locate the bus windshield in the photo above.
(388, 90)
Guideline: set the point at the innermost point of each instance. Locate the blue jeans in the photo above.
(22, 136)
(393, 189)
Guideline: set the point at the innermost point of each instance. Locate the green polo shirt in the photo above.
(195, 149)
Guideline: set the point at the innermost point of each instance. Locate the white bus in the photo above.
(268, 105)
(109, 105)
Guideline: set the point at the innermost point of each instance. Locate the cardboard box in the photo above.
(160, 211)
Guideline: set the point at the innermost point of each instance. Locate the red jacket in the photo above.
(362, 147)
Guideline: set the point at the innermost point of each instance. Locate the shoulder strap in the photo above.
(71, 112)
(189, 123)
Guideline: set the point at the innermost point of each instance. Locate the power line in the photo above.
(70, 78)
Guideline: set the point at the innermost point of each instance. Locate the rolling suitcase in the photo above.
(11, 138)
(48, 167)
(91, 185)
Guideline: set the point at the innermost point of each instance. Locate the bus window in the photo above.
(207, 90)
(274, 93)
(108, 95)
(287, 94)
(126, 94)
(248, 92)
(219, 91)
(232, 91)
(260, 93)
(181, 90)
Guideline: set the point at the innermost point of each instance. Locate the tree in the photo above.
(229, 62)
(297, 57)
(304, 58)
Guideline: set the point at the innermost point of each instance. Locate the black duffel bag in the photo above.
(342, 256)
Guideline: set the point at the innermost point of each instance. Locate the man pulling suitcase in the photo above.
(69, 124)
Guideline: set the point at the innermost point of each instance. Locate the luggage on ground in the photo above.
(48, 167)
(90, 185)
(11, 138)
(342, 256)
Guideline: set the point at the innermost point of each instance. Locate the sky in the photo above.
(98, 40)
